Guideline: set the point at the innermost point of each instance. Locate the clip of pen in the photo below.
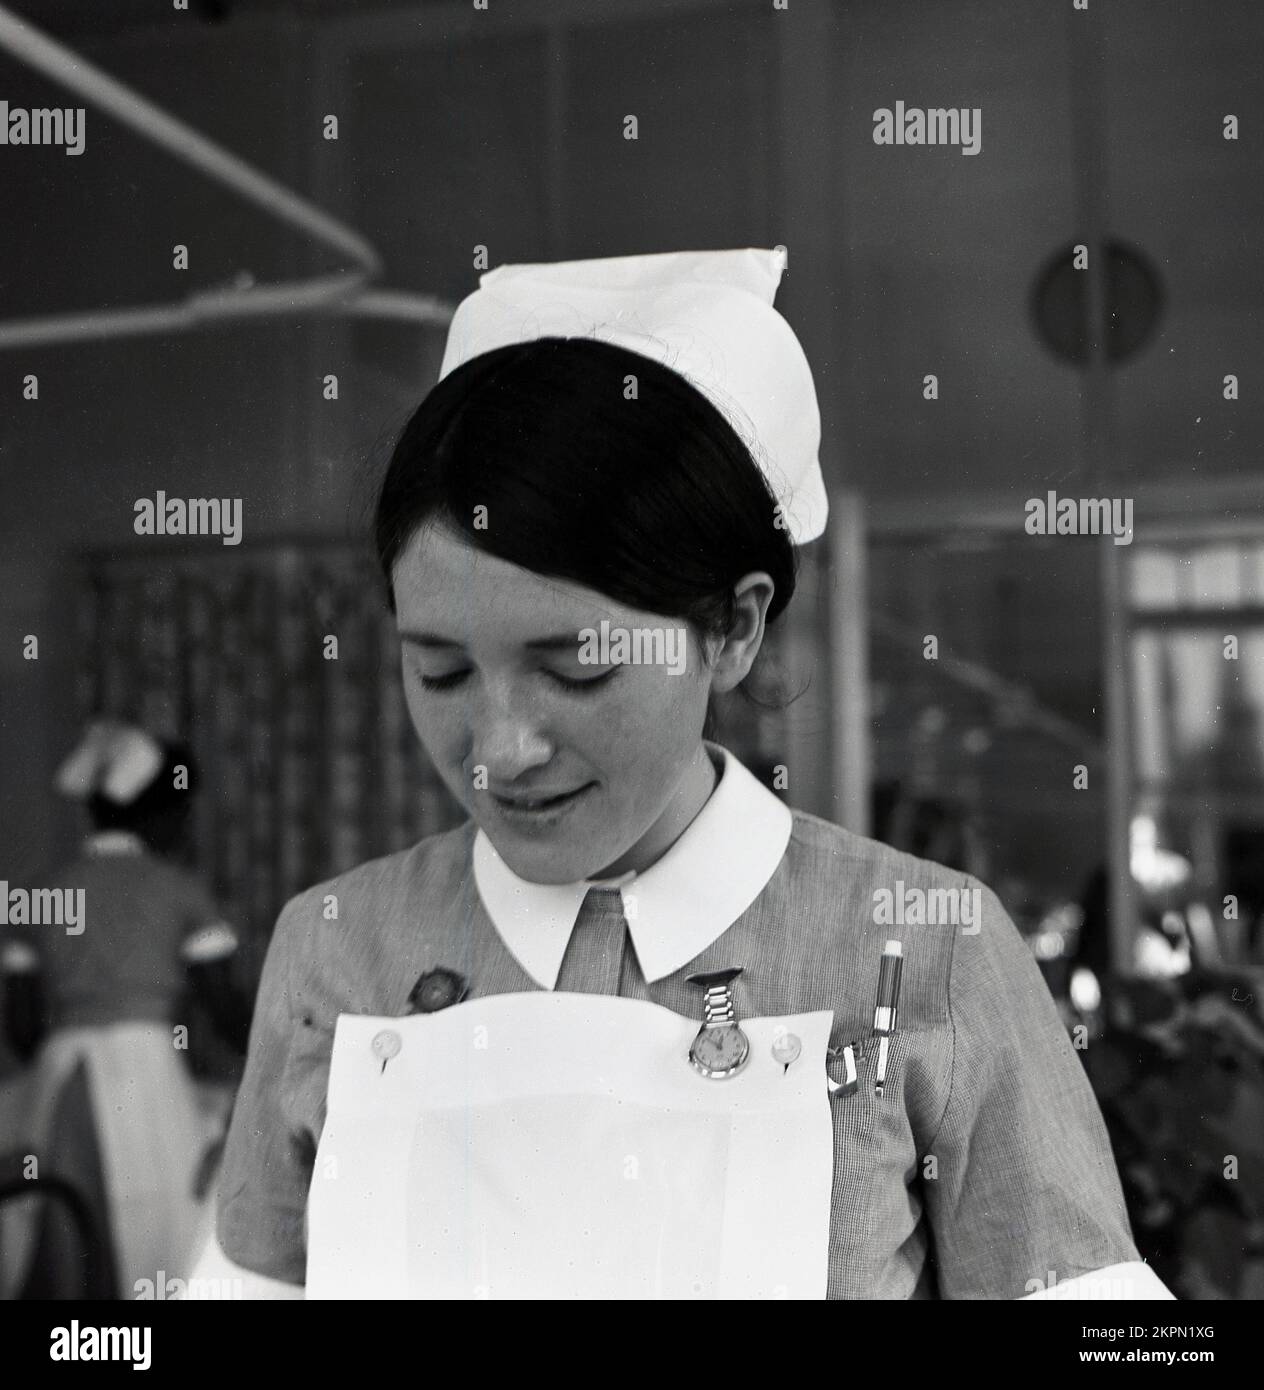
(887, 1007)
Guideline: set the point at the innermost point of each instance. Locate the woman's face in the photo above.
(566, 765)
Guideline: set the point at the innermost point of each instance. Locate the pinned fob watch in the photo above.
(721, 1049)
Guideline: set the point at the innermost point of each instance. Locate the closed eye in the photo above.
(443, 682)
(454, 678)
(570, 683)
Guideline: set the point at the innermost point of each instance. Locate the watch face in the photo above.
(720, 1051)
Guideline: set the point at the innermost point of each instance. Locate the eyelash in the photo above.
(442, 682)
(454, 678)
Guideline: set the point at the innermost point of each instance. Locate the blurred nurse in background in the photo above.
(105, 994)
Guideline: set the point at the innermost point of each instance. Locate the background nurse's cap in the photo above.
(113, 759)
(707, 315)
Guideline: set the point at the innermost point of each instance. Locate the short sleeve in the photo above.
(206, 936)
(1024, 1190)
(19, 950)
(268, 1157)
(18, 955)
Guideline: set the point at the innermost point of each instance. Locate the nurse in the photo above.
(637, 1028)
(108, 995)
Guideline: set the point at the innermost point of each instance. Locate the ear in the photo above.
(733, 655)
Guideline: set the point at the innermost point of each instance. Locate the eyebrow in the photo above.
(565, 641)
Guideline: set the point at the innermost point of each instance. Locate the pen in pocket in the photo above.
(887, 1007)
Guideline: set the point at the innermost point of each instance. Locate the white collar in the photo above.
(114, 842)
(676, 908)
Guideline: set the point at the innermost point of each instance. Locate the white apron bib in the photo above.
(545, 1145)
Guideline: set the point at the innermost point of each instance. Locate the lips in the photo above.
(538, 801)
(540, 813)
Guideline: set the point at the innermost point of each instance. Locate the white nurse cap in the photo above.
(706, 315)
(112, 758)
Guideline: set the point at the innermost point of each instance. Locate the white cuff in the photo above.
(17, 958)
(213, 942)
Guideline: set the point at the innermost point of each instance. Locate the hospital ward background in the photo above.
(1030, 645)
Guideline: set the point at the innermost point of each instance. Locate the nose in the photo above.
(510, 742)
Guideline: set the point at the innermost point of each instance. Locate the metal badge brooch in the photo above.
(437, 989)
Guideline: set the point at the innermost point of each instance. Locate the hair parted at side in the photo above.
(654, 501)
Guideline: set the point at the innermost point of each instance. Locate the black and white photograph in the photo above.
(631, 662)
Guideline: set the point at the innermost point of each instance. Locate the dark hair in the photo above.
(159, 814)
(654, 501)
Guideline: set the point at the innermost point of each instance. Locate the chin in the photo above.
(541, 864)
